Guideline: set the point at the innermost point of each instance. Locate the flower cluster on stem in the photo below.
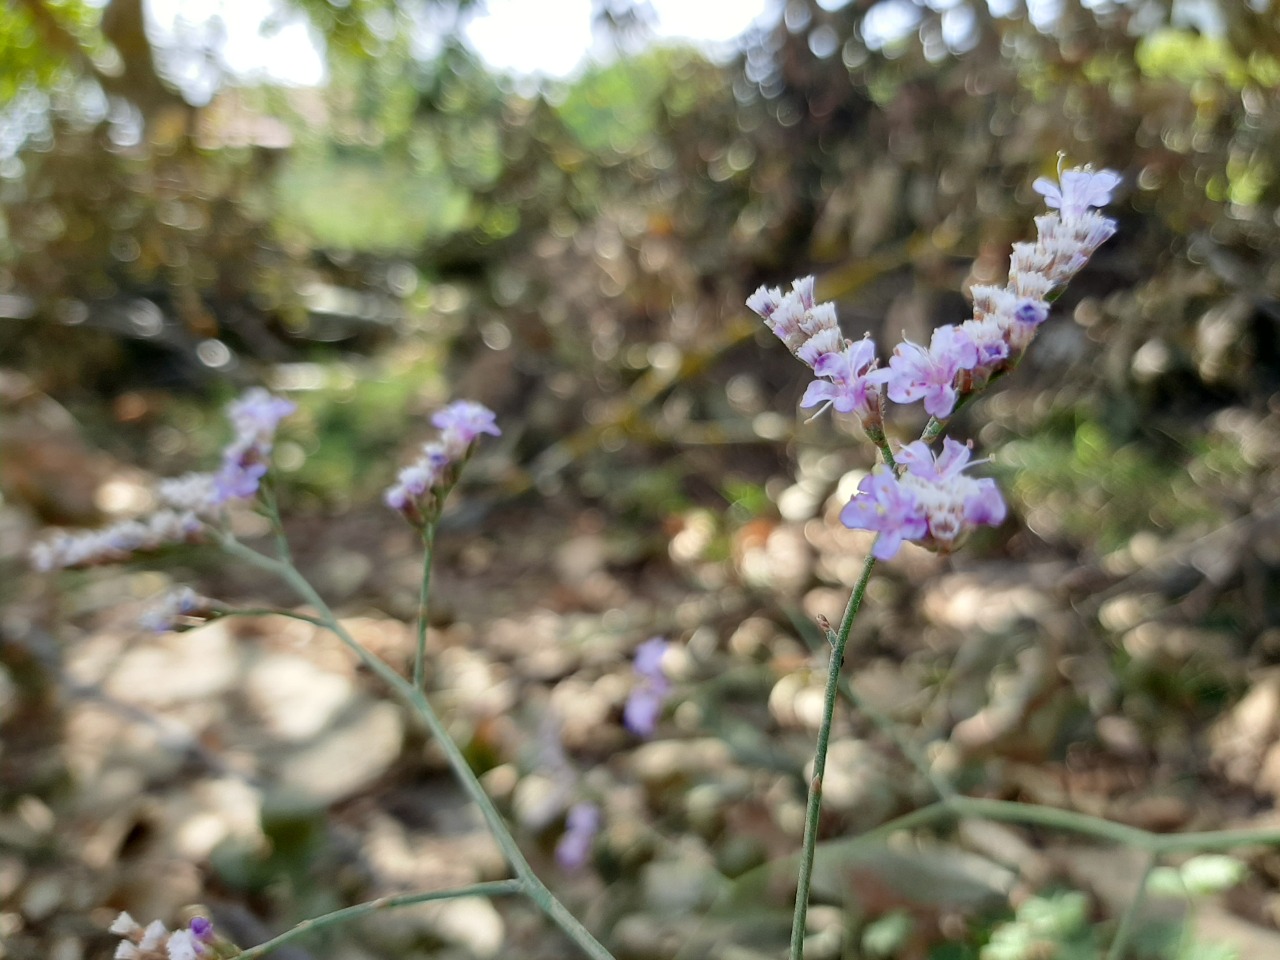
(922, 497)
(187, 502)
(156, 942)
(421, 487)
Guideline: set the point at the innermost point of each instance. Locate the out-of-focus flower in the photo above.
(419, 489)
(155, 942)
(195, 492)
(581, 825)
(644, 705)
(256, 415)
(179, 610)
(461, 423)
(116, 543)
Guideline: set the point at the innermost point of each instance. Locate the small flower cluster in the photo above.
(178, 610)
(116, 543)
(255, 417)
(420, 487)
(186, 501)
(931, 500)
(156, 942)
(644, 705)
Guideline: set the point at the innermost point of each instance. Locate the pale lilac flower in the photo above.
(116, 542)
(843, 381)
(952, 502)
(1079, 190)
(644, 705)
(194, 492)
(915, 373)
(258, 413)
(461, 422)
(581, 825)
(172, 610)
(241, 473)
(884, 506)
(255, 417)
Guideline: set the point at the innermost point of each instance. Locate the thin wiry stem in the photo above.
(497, 888)
(1120, 942)
(531, 884)
(814, 808)
(420, 652)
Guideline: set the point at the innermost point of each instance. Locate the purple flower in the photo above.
(644, 705)
(915, 373)
(165, 614)
(883, 505)
(258, 413)
(255, 416)
(1080, 189)
(202, 929)
(239, 477)
(952, 502)
(581, 825)
(843, 380)
(461, 422)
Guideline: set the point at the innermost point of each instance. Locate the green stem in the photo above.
(814, 808)
(271, 612)
(498, 888)
(533, 887)
(420, 653)
(1121, 940)
(1008, 811)
(272, 510)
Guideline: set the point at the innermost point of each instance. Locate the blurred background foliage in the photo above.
(575, 254)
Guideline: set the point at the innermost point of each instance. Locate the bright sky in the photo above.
(550, 37)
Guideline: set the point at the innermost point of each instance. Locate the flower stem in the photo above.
(814, 808)
(420, 653)
(532, 886)
(1120, 942)
(497, 888)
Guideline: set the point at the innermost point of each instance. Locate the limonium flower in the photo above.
(1078, 190)
(156, 942)
(581, 826)
(255, 416)
(933, 501)
(419, 489)
(117, 542)
(884, 506)
(644, 705)
(187, 501)
(179, 609)
(461, 423)
(843, 382)
(809, 329)
(915, 373)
